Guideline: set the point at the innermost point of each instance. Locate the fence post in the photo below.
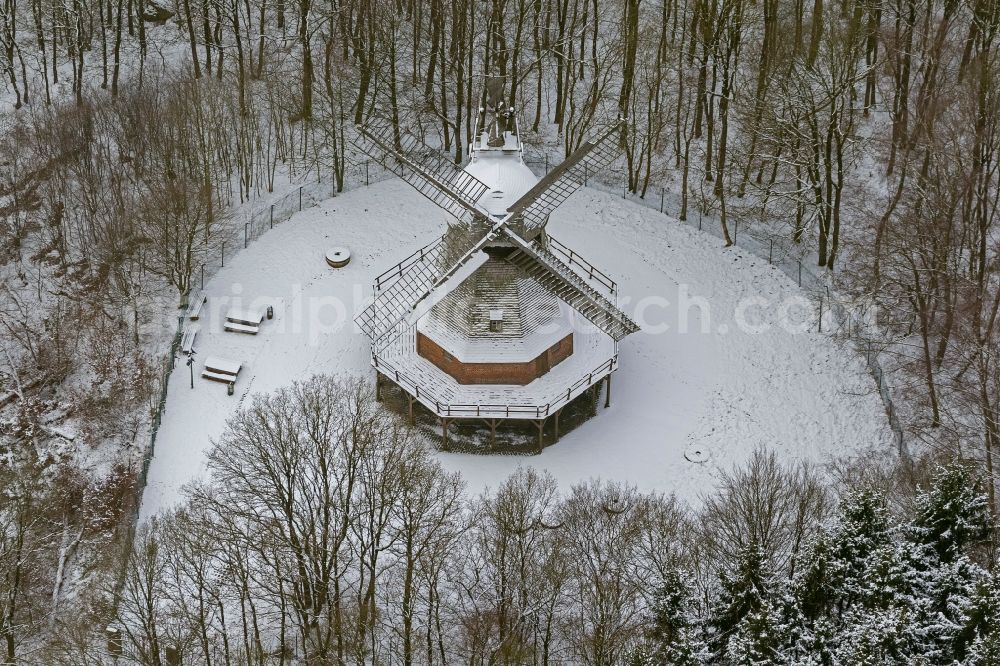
(661, 199)
(770, 251)
(585, 173)
(366, 173)
(272, 216)
(546, 162)
(300, 198)
(800, 272)
(820, 326)
(246, 234)
(203, 276)
(223, 254)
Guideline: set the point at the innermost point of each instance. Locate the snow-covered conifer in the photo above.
(675, 631)
(744, 591)
(953, 513)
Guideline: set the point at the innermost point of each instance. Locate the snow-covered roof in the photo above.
(496, 285)
(594, 357)
(458, 315)
(497, 347)
(505, 174)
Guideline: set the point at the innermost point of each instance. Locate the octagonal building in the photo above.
(496, 320)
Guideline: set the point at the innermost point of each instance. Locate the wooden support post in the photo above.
(540, 424)
(410, 399)
(607, 398)
(378, 386)
(557, 426)
(444, 433)
(492, 423)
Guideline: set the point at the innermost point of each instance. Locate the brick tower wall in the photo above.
(495, 373)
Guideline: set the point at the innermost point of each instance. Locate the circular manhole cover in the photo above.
(338, 257)
(696, 453)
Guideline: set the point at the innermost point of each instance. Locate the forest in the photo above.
(861, 136)
(327, 533)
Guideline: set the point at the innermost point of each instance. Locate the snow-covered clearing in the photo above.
(728, 360)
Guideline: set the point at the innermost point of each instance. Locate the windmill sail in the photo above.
(426, 169)
(562, 281)
(531, 211)
(400, 290)
(468, 324)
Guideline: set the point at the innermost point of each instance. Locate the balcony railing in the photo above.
(394, 273)
(446, 409)
(588, 270)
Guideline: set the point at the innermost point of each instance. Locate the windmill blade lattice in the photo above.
(532, 210)
(400, 290)
(563, 281)
(426, 169)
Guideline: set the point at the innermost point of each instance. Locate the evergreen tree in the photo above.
(872, 637)
(743, 592)
(978, 643)
(953, 515)
(813, 643)
(813, 586)
(759, 638)
(860, 546)
(942, 601)
(839, 564)
(675, 633)
(951, 518)
(985, 651)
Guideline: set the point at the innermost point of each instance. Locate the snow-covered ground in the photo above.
(728, 360)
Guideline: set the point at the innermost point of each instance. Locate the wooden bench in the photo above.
(187, 340)
(221, 369)
(218, 376)
(195, 305)
(237, 327)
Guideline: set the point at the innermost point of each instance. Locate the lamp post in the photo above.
(190, 364)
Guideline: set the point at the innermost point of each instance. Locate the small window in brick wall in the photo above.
(496, 321)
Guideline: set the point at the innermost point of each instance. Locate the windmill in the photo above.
(485, 322)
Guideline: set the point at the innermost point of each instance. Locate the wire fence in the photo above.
(237, 232)
(157, 406)
(839, 317)
(836, 316)
(263, 214)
